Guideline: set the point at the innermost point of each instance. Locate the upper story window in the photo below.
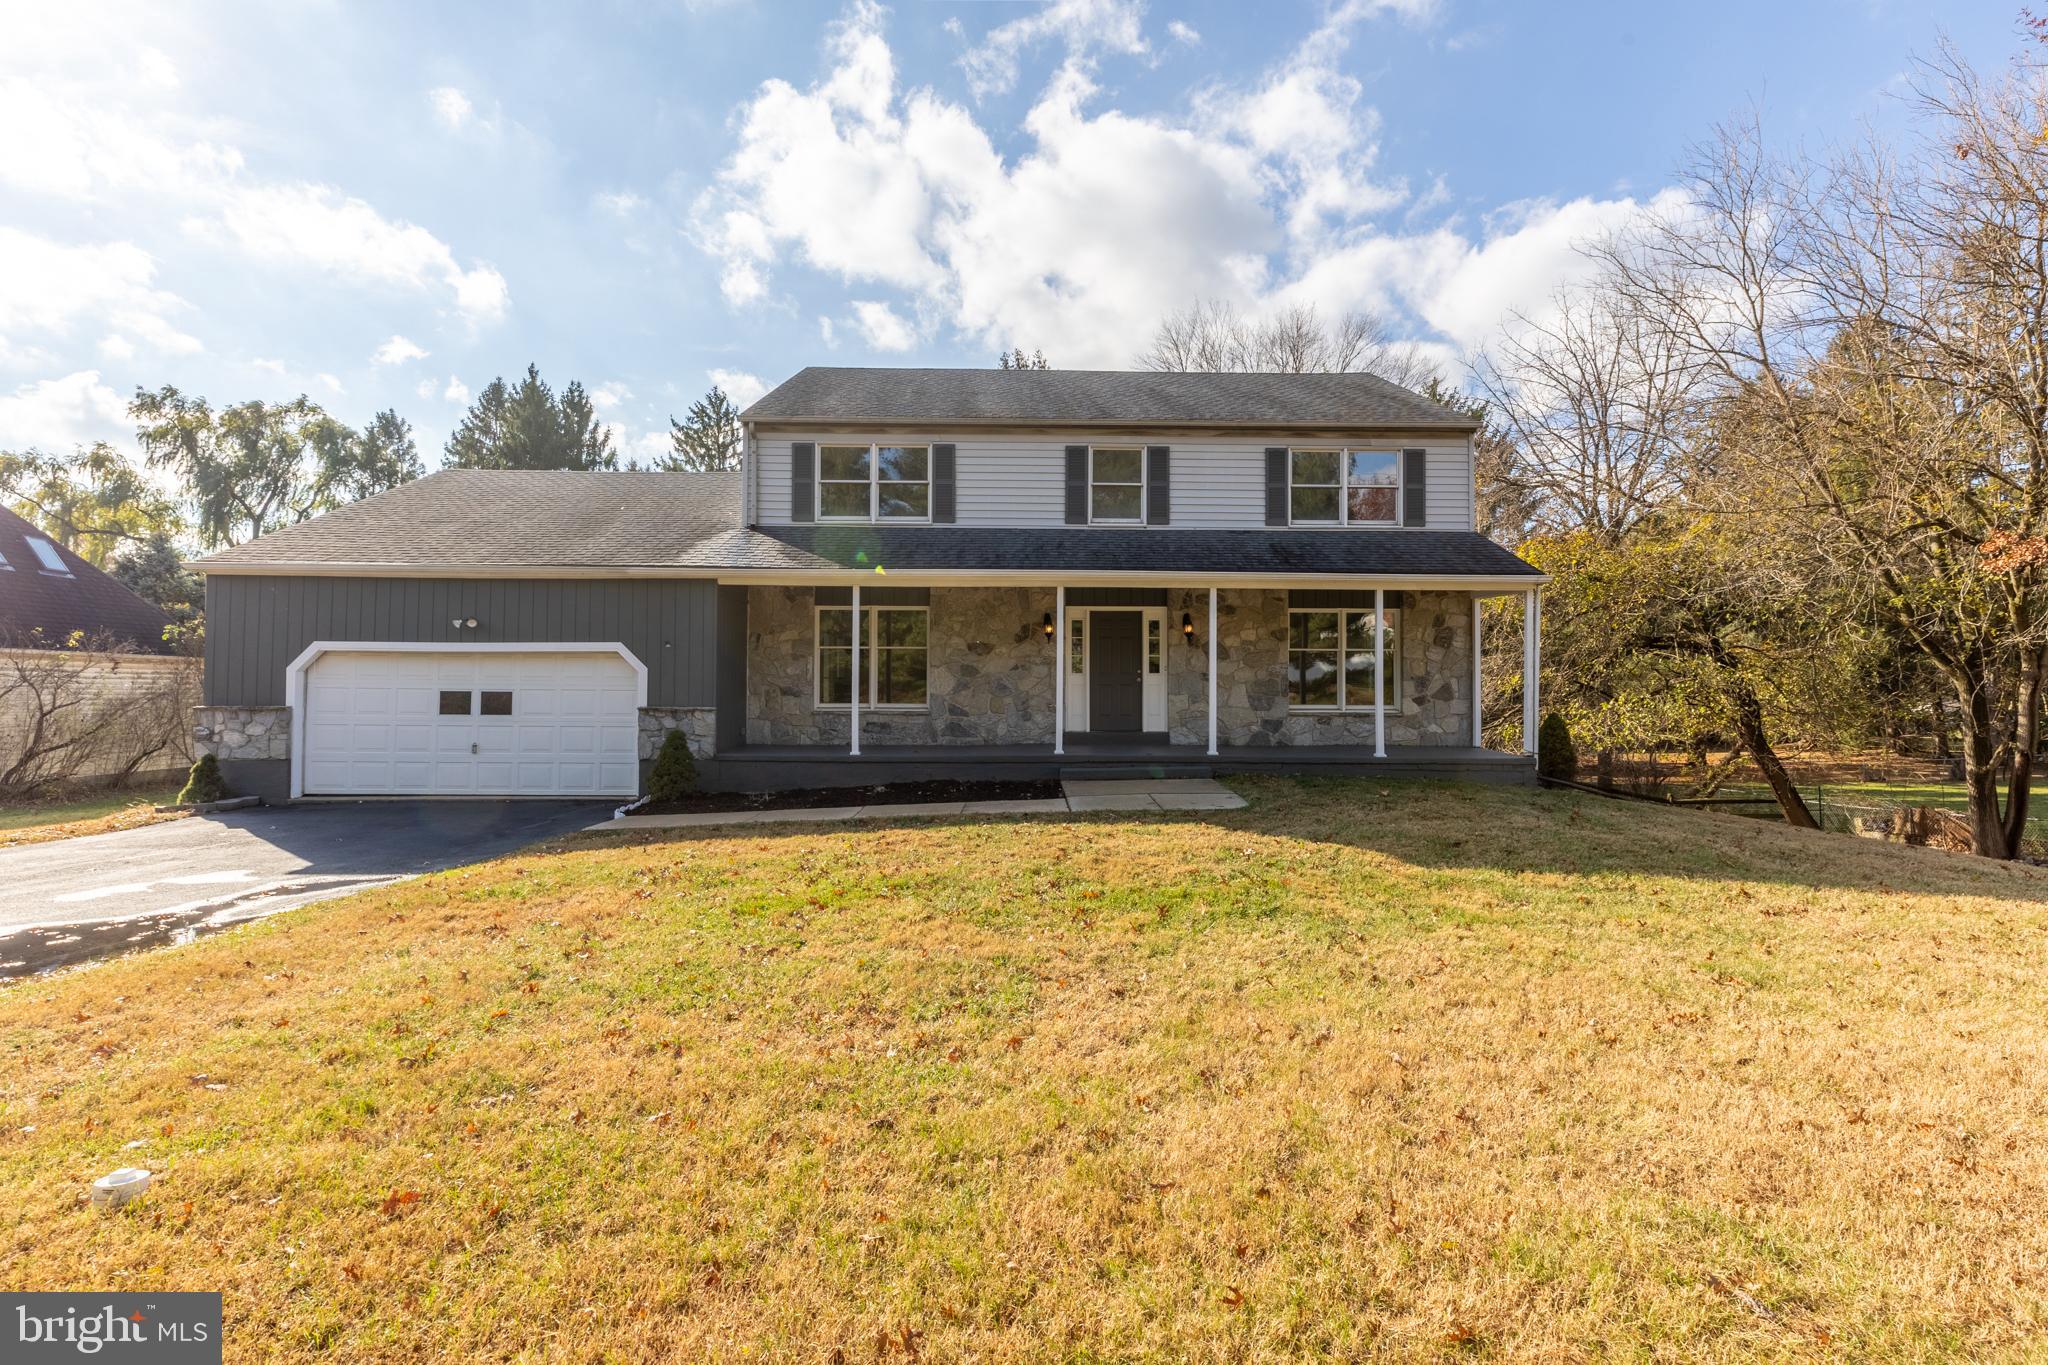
(44, 551)
(1344, 487)
(874, 483)
(1116, 484)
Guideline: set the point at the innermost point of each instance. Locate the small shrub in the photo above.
(204, 782)
(675, 770)
(1556, 755)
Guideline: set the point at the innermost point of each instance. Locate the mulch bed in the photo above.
(887, 793)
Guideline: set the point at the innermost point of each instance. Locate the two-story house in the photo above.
(913, 573)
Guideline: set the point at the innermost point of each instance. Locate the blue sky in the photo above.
(385, 205)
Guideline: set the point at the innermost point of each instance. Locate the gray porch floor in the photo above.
(767, 767)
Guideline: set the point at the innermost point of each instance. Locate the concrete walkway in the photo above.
(1168, 793)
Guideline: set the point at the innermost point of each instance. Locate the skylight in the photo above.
(47, 553)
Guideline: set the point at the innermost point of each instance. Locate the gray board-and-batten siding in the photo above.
(256, 625)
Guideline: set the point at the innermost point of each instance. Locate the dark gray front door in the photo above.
(1116, 679)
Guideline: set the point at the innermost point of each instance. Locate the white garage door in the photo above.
(459, 724)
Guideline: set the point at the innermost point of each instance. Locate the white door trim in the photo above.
(1153, 716)
(295, 674)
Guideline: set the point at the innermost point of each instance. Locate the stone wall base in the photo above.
(699, 725)
(243, 733)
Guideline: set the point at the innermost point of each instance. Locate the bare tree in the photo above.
(1211, 336)
(1604, 406)
(1880, 322)
(62, 722)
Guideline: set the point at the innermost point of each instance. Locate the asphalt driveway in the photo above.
(73, 900)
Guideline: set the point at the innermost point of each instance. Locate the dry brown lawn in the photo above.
(102, 813)
(1365, 1069)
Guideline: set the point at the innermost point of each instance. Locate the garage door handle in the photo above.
(472, 748)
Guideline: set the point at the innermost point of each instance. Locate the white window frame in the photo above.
(47, 557)
(1144, 468)
(875, 482)
(1390, 665)
(1344, 485)
(869, 649)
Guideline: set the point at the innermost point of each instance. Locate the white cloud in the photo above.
(319, 226)
(457, 391)
(450, 106)
(609, 395)
(396, 351)
(1182, 32)
(329, 382)
(1264, 193)
(740, 386)
(620, 204)
(55, 289)
(90, 114)
(825, 332)
(883, 328)
(1086, 27)
(57, 414)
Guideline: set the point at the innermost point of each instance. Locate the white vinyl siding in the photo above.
(1218, 482)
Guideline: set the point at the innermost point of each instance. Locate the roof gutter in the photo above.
(916, 578)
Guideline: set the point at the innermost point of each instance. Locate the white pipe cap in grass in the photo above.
(116, 1188)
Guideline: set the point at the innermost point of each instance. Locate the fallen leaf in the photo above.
(398, 1199)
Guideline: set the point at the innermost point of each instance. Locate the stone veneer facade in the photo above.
(235, 734)
(699, 725)
(1435, 633)
(990, 673)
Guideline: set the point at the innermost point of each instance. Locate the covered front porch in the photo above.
(878, 680)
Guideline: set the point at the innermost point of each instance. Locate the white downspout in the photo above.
(1059, 670)
(1212, 672)
(853, 698)
(1379, 673)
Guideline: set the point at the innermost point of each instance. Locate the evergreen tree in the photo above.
(709, 438)
(1017, 360)
(529, 427)
(155, 571)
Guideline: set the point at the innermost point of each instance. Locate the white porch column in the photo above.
(1478, 679)
(1530, 664)
(1059, 669)
(1212, 672)
(853, 698)
(1379, 672)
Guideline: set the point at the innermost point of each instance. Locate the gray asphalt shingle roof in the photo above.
(1123, 397)
(510, 519)
(907, 549)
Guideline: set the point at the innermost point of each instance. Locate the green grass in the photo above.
(75, 810)
(1365, 1069)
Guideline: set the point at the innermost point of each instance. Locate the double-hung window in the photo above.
(892, 650)
(874, 483)
(1116, 485)
(1344, 487)
(1330, 660)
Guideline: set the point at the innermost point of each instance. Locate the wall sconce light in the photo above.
(461, 624)
(1048, 626)
(1187, 627)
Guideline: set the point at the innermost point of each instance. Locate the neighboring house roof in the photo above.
(1127, 398)
(504, 518)
(54, 606)
(907, 549)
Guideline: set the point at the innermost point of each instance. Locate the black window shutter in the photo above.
(1276, 485)
(1414, 487)
(1077, 485)
(944, 501)
(803, 481)
(1158, 485)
